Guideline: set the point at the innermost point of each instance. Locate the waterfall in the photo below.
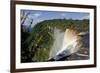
(58, 41)
(64, 42)
(70, 41)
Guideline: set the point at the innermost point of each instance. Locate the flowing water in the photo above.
(67, 40)
(58, 41)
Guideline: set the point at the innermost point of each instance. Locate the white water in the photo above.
(58, 36)
(64, 41)
(70, 41)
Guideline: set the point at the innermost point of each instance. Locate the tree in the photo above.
(25, 54)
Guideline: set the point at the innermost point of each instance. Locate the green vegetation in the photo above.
(37, 45)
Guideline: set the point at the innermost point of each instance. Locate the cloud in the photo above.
(63, 14)
(85, 17)
(35, 15)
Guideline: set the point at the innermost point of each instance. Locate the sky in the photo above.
(38, 16)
